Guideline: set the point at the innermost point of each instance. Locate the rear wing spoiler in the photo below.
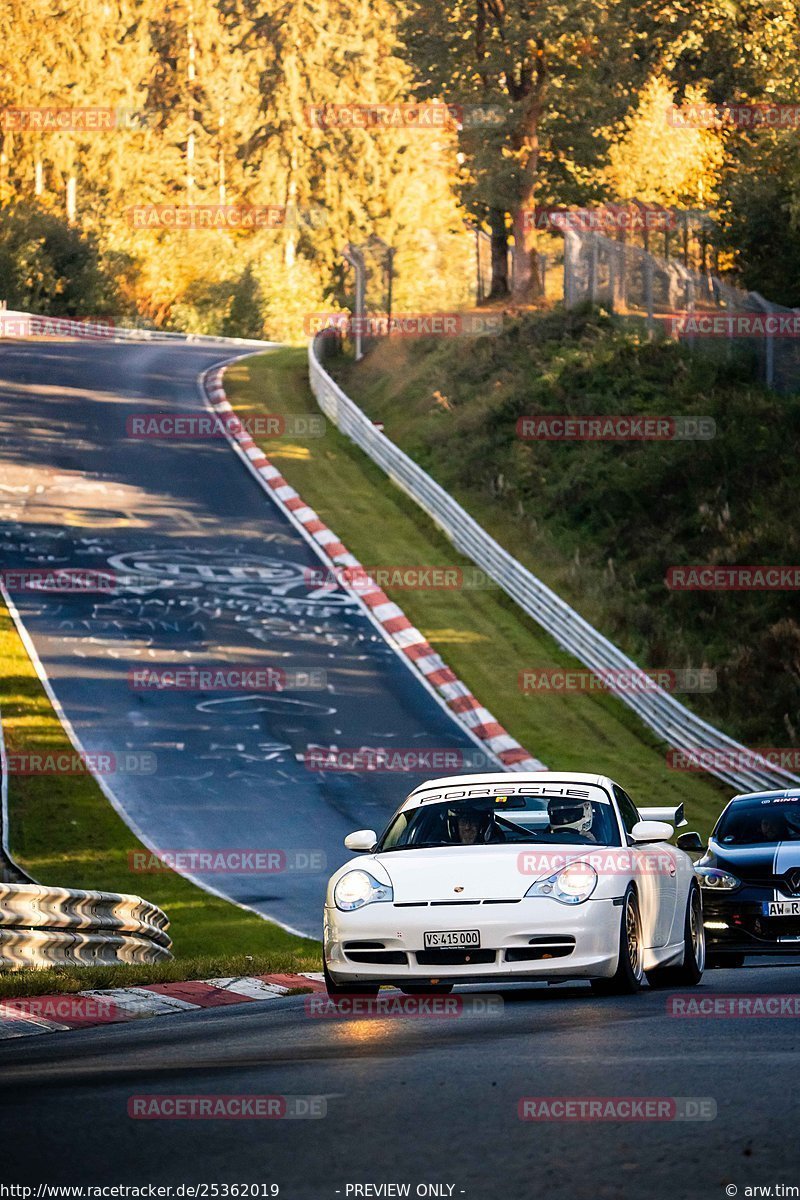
(673, 815)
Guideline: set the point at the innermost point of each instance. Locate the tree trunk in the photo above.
(497, 223)
(527, 283)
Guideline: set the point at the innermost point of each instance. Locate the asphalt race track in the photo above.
(214, 575)
(413, 1100)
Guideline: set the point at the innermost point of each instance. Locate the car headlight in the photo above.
(713, 879)
(571, 885)
(357, 888)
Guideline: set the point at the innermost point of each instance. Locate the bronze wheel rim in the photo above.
(633, 940)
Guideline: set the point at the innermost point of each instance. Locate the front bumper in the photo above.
(532, 938)
(736, 924)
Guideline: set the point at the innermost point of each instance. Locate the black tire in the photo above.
(690, 972)
(347, 989)
(629, 975)
(724, 961)
(426, 989)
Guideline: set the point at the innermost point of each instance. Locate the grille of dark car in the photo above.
(779, 883)
(768, 929)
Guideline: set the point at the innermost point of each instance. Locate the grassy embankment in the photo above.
(601, 523)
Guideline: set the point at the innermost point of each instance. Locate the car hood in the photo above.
(473, 872)
(753, 862)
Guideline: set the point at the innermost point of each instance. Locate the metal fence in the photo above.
(696, 307)
(675, 724)
(49, 926)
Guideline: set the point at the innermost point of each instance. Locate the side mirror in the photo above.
(652, 831)
(362, 841)
(690, 841)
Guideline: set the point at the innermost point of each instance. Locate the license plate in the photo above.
(781, 908)
(452, 937)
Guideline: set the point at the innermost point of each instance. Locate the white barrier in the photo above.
(44, 926)
(31, 949)
(674, 724)
(14, 324)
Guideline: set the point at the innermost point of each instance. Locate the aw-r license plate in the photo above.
(454, 938)
(781, 908)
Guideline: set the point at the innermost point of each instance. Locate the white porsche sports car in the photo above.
(500, 877)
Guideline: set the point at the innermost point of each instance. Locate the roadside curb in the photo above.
(23, 1016)
(398, 630)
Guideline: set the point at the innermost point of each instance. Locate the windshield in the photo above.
(759, 822)
(497, 820)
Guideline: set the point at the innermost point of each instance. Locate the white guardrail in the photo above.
(44, 926)
(15, 324)
(48, 926)
(674, 724)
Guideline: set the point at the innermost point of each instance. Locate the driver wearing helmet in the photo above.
(470, 826)
(572, 818)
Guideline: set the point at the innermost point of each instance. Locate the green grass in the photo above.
(483, 636)
(601, 523)
(207, 966)
(203, 966)
(64, 832)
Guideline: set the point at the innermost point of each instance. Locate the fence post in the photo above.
(769, 365)
(569, 235)
(690, 301)
(593, 267)
(356, 261)
(390, 253)
(621, 273)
